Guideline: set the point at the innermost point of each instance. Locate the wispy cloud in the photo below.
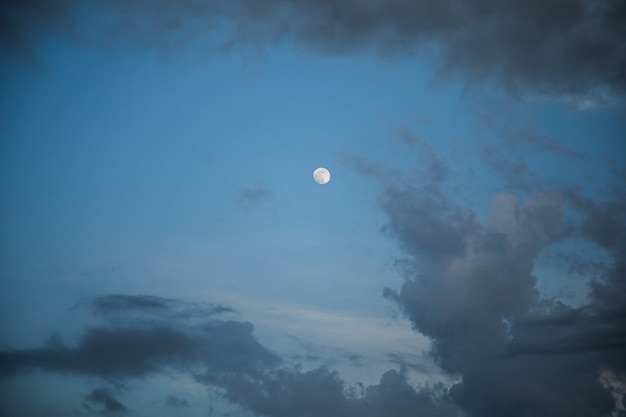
(247, 197)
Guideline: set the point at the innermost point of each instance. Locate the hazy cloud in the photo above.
(369, 168)
(175, 402)
(556, 47)
(523, 134)
(512, 169)
(250, 196)
(436, 170)
(148, 306)
(102, 401)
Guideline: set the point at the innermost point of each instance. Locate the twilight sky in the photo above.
(165, 251)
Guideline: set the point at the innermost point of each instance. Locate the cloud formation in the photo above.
(140, 347)
(470, 286)
(222, 355)
(558, 47)
(102, 401)
(323, 392)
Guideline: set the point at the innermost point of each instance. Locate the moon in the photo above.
(321, 176)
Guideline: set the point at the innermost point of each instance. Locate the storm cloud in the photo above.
(470, 286)
(556, 47)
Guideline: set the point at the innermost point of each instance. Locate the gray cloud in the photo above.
(136, 347)
(470, 287)
(102, 401)
(436, 169)
(220, 354)
(511, 138)
(553, 47)
(322, 392)
(523, 134)
(148, 306)
(175, 402)
(512, 169)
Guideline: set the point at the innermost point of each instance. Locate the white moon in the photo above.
(321, 176)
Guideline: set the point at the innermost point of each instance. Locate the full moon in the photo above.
(321, 176)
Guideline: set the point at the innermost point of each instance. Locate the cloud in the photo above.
(369, 168)
(591, 328)
(222, 355)
(523, 134)
(558, 47)
(470, 286)
(136, 348)
(250, 196)
(501, 372)
(516, 144)
(102, 401)
(144, 306)
(323, 392)
(436, 169)
(175, 402)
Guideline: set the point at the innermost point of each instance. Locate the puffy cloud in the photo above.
(322, 392)
(472, 289)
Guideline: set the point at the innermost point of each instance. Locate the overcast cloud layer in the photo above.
(555, 47)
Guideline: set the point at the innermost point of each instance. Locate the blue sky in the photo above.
(165, 250)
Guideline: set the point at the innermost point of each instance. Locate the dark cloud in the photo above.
(426, 224)
(553, 47)
(322, 392)
(223, 346)
(470, 287)
(572, 330)
(102, 401)
(142, 347)
(175, 402)
(223, 355)
(145, 306)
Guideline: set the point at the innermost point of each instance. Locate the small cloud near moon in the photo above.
(321, 176)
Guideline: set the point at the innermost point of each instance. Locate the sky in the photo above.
(165, 251)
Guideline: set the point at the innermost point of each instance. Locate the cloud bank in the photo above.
(555, 47)
(143, 336)
(470, 287)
